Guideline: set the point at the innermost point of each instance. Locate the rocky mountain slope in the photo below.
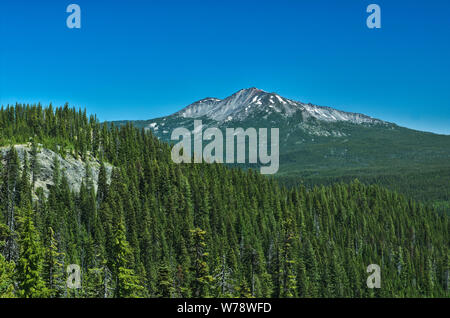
(74, 169)
(262, 109)
(247, 103)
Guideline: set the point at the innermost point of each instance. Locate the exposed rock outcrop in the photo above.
(74, 169)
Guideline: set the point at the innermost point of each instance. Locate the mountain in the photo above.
(254, 105)
(253, 102)
(321, 144)
(159, 229)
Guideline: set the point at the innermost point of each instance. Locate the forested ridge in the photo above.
(159, 229)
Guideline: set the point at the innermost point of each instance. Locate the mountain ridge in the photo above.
(244, 99)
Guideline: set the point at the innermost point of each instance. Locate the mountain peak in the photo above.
(252, 90)
(246, 93)
(256, 102)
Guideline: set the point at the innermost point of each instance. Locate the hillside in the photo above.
(321, 145)
(158, 229)
(45, 160)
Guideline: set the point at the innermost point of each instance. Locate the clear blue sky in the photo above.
(143, 59)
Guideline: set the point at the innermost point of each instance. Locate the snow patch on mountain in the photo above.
(329, 114)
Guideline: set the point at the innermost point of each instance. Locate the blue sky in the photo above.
(143, 59)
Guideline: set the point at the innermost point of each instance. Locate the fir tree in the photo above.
(29, 266)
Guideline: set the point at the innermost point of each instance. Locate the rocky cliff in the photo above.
(74, 169)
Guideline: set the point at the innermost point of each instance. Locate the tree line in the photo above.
(158, 229)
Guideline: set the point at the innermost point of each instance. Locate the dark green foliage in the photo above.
(157, 229)
(6, 269)
(53, 266)
(202, 279)
(318, 152)
(29, 265)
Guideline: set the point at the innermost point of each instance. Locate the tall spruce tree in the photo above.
(29, 265)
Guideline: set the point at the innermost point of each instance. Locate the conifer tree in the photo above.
(8, 200)
(53, 266)
(202, 278)
(6, 268)
(126, 282)
(6, 278)
(165, 281)
(34, 163)
(29, 265)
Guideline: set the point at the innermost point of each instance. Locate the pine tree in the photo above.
(24, 185)
(8, 201)
(53, 266)
(98, 281)
(202, 278)
(29, 266)
(289, 279)
(6, 278)
(126, 282)
(102, 189)
(165, 281)
(34, 163)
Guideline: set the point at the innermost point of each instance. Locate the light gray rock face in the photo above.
(245, 102)
(73, 169)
